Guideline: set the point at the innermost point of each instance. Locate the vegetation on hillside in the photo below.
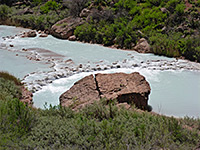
(95, 127)
(171, 27)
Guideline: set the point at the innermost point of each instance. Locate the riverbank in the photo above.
(96, 126)
(167, 27)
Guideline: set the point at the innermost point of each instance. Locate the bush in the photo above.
(50, 5)
(86, 32)
(16, 120)
(98, 126)
(106, 127)
(191, 49)
(9, 90)
(180, 9)
(166, 45)
(10, 77)
(15, 117)
(4, 11)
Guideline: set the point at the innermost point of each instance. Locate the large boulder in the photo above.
(125, 88)
(81, 93)
(142, 46)
(130, 88)
(63, 29)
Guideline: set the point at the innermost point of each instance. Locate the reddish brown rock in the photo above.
(131, 88)
(63, 29)
(142, 46)
(81, 93)
(125, 88)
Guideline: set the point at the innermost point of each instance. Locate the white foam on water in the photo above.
(59, 86)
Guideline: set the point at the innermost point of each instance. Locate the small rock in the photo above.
(43, 35)
(72, 38)
(164, 10)
(85, 12)
(80, 66)
(23, 49)
(118, 66)
(142, 46)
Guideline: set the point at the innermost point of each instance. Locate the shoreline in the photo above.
(112, 46)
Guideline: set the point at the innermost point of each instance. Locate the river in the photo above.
(49, 66)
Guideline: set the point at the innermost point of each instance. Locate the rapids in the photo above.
(50, 66)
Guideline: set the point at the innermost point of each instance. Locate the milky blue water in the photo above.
(173, 91)
(16, 65)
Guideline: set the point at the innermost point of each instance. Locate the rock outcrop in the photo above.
(142, 46)
(63, 29)
(125, 88)
(83, 92)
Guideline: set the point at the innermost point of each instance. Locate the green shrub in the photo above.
(106, 127)
(37, 2)
(15, 117)
(191, 49)
(50, 5)
(10, 77)
(9, 90)
(166, 45)
(16, 120)
(97, 126)
(4, 11)
(86, 32)
(180, 8)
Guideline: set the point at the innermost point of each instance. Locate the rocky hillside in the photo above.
(166, 27)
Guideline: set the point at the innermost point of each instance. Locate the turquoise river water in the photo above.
(50, 66)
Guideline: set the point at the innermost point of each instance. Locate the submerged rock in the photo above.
(125, 88)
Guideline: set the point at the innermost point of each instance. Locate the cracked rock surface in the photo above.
(125, 88)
